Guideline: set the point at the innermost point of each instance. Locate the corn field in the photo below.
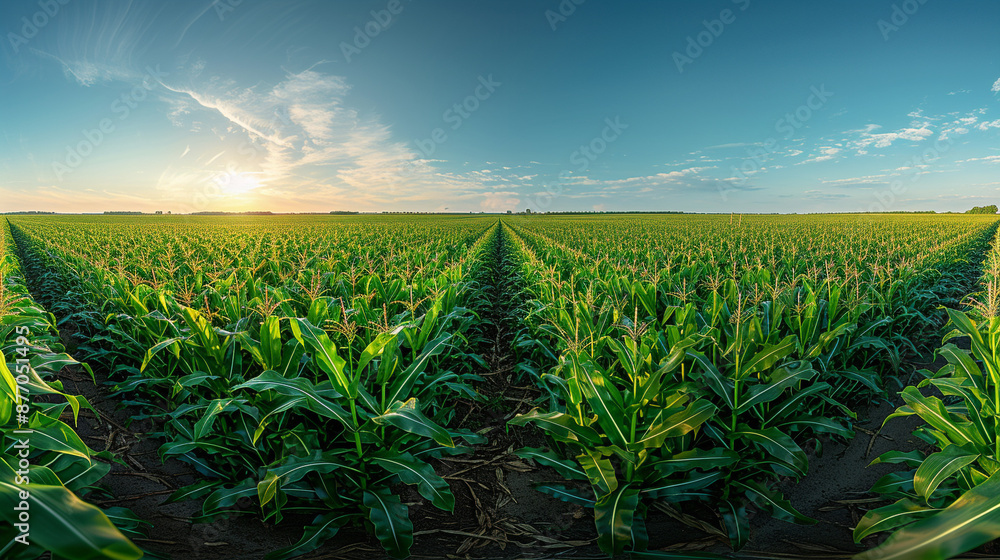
(335, 369)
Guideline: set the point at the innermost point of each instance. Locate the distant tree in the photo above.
(991, 209)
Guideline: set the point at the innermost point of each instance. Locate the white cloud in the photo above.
(826, 153)
(986, 125)
(996, 86)
(863, 180)
(500, 201)
(868, 139)
(989, 159)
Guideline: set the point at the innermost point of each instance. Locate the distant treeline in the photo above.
(622, 212)
(264, 213)
(991, 209)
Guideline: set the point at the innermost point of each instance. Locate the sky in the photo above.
(458, 106)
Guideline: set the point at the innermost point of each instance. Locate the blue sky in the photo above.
(716, 106)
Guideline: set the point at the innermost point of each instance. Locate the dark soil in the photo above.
(143, 482)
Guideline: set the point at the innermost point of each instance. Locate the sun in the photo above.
(240, 183)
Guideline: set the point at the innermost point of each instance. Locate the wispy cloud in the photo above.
(306, 139)
(988, 159)
(863, 180)
(868, 138)
(826, 153)
(822, 195)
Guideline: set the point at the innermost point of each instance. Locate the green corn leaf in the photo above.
(736, 522)
(910, 458)
(322, 529)
(965, 366)
(938, 467)
(782, 378)
(204, 424)
(604, 399)
(270, 343)
(403, 383)
(966, 327)
(770, 355)
(889, 517)
(934, 412)
(789, 406)
(564, 494)
(392, 524)
(774, 503)
(970, 521)
(599, 470)
(51, 434)
(193, 491)
(223, 498)
(680, 489)
(718, 383)
(76, 474)
(411, 470)
(375, 348)
(325, 354)
(299, 387)
(613, 515)
(407, 416)
(819, 425)
(893, 483)
(705, 460)
(677, 424)
(974, 402)
(778, 444)
(172, 343)
(64, 524)
(567, 469)
(560, 425)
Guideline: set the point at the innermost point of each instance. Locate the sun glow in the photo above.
(239, 183)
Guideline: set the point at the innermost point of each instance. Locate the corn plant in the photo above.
(313, 387)
(777, 348)
(631, 442)
(44, 465)
(948, 502)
